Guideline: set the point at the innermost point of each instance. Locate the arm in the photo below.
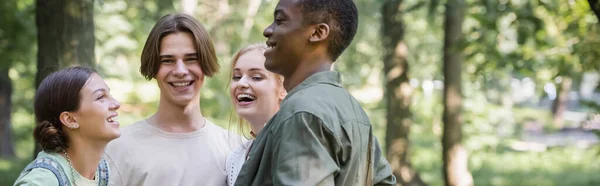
(302, 152)
(37, 177)
(383, 171)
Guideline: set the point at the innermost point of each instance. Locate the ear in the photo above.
(68, 120)
(320, 33)
(282, 94)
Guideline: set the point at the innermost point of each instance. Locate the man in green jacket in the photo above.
(321, 135)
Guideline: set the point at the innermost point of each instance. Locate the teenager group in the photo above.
(304, 128)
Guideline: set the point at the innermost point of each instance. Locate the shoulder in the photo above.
(321, 105)
(296, 122)
(317, 99)
(210, 126)
(241, 149)
(224, 136)
(133, 128)
(38, 176)
(130, 138)
(128, 134)
(218, 131)
(327, 102)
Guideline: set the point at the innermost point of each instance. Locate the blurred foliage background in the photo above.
(530, 78)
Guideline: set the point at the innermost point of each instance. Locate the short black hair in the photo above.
(340, 15)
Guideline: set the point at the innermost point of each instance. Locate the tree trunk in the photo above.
(397, 93)
(65, 36)
(560, 103)
(6, 143)
(456, 172)
(595, 6)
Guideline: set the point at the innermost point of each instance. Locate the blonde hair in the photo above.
(242, 123)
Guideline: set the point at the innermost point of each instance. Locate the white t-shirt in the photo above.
(236, 160)
(146, 155)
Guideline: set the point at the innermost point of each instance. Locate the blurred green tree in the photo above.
(397, 94)
(456, 172)
(16, 30)
(65, 37)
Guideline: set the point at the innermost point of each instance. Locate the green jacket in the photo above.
(320, 136)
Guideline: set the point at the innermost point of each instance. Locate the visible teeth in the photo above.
(112, 119)
(182, 84)
(241, 96)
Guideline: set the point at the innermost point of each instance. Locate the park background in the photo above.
(518, 79)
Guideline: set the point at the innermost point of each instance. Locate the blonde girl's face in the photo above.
(255, 91)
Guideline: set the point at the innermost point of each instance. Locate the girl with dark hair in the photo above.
(76, 117)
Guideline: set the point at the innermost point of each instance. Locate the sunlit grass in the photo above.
(561, 166)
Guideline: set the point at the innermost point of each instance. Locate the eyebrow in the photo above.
(186, 55)
(279, 11)
(251, 69)
(100, 90)
(256, 69)
(192, 55)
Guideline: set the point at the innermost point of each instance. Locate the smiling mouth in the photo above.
(181, 84)
(271, 45)
(112, 119)
(245, 98)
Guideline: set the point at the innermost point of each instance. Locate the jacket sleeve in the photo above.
(383, 171)
(302, 152)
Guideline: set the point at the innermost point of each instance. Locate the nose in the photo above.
(180, 69)
(115, 105)
(243, 82)
(268, 31)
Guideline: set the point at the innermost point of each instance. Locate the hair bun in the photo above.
(50, 137)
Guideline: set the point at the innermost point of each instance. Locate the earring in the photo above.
(73, 126)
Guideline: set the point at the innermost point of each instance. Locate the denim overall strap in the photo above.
(51, 165)
(103, 173)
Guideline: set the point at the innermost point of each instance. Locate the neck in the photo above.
(178, 119)
(257, 124)
(85, 156)
(307, 67)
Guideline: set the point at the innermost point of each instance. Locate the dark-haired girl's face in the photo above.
(97, 113)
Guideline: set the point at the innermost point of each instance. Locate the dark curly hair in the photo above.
(58, 92)
(340, 15)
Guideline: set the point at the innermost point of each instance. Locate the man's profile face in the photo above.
(287, 38)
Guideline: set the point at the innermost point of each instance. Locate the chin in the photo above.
(183, 100)
(270, 64)
(246, 112)
(114, 135)
(272, 68)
